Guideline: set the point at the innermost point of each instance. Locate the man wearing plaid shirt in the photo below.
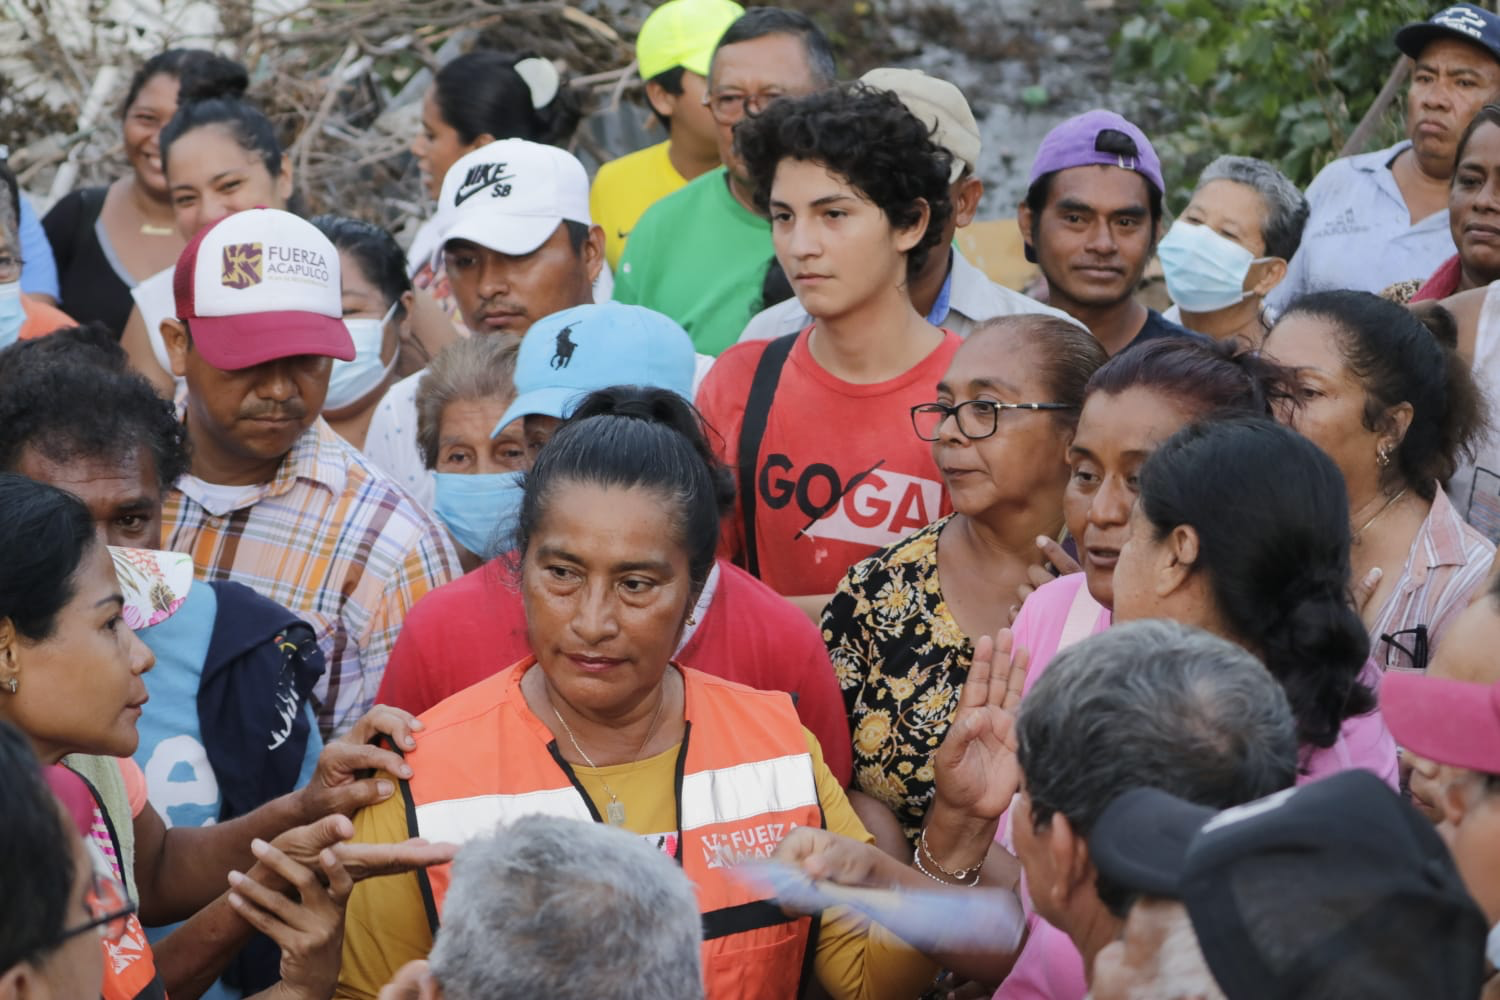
(274, 498)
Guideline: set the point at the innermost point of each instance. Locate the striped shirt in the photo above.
(1447, 566)
(330, 538)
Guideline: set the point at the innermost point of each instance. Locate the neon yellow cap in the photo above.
(683, 33)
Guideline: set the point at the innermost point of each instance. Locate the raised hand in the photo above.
(305, 844)
(976, 769)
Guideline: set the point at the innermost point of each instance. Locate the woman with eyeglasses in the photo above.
(902, 625)
(1388, 397)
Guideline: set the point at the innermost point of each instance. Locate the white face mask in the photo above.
(351, 381)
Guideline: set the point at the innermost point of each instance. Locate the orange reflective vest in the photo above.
(745, 778)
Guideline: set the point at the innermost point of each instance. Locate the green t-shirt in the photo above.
(700, 257)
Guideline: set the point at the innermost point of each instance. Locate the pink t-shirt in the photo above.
(1049, 966)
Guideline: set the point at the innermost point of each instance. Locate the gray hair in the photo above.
(477, 367)
(1152, 704)
(1286, 207)
(568, 910)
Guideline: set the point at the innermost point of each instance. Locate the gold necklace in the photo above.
(616, 808)
(147, 229)
(1388, 504)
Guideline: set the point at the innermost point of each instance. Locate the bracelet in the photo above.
(963, 873)
(960, 875)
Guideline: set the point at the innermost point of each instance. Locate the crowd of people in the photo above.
(478, 619)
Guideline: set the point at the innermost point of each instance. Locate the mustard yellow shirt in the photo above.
(386, 924)
(623, 190)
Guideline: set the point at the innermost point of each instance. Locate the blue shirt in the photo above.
(39, 270)
(1359, 232)
(179, 782)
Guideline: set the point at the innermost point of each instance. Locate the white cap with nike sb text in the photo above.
(511, 195)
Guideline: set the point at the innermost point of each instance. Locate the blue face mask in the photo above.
(481, 510)
(1204, 271)
(12, 313)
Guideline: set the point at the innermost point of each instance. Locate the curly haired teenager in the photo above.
(858, 196)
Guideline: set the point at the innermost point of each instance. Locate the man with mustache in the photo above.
(518, 244)
(1090, 219)
(274, 498)
(1381, 218)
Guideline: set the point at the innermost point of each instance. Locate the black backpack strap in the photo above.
(752, 429)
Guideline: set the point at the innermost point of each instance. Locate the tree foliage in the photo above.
(1284, 80)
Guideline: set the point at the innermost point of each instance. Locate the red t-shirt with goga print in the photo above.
(840, 472)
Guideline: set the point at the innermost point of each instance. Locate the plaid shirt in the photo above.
(336, 542)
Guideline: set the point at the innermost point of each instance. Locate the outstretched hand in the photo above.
(976, 769)
(306, 844)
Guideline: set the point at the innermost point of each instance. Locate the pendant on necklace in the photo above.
(616, 813)
(147, 229)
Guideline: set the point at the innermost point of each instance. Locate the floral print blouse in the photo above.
(901, 662)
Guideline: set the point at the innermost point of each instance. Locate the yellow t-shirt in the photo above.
(623, 190)
(386, 923)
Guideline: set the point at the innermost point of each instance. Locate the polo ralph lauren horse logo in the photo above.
(565, 348)
(242, 265)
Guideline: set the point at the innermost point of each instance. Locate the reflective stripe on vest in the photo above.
(745, 779)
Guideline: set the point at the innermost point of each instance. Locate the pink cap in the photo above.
(260, 285)
(1450, 722)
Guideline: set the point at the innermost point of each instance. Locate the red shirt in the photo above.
(465, 631)
(840, 473)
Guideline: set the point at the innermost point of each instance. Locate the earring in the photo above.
(12, 685)
(1383, 455)
(692, 619)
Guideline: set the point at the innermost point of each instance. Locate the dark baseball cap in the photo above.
(1336, 882)
(1463, 21)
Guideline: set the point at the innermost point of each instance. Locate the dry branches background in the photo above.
(342, 80)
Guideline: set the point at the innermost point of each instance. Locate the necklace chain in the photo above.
(616, 810)
(1388, 504)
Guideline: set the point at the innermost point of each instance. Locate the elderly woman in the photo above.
(901, 627)
(1231, 246)
(618, 532)
(1394, 405)
(460, 399)
(1473, 211)
(377, 302)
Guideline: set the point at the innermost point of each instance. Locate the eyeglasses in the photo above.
(1417, 653)
(10, 268)
(977, 418)
(108, 906)
(728, 109)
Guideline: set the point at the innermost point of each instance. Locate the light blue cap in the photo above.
(569, 354)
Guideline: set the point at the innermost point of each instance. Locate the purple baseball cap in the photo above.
(1082, 141)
